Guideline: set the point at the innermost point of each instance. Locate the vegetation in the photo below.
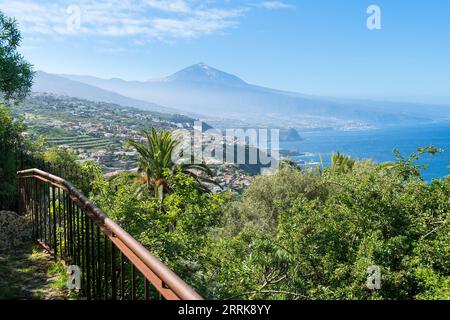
(29, 273)
(341, 163)
(10, 140)
(95, 130)
(16, 74)
(76, 142)
(155, 160)
(296, 234)
(293, 235)
(15, 83)
(320, 232)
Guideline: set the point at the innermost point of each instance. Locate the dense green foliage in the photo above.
(155, 160)
(16, 149)
(10, 140)
(291, 235)
(16, 74)
(297, 235)
(15, 83)
(325, 230)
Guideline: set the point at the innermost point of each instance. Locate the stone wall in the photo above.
(14, 230)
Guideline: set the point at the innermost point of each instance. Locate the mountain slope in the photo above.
(205, 90)
(45, 82)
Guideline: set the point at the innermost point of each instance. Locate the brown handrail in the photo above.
(169, 285)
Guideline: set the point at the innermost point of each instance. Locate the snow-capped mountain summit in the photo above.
(202, 73)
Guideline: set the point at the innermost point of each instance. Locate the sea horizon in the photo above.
(377, 144)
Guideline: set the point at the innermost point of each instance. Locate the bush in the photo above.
(10, 140)
(298, 235)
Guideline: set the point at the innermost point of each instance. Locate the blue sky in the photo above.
(320, 47)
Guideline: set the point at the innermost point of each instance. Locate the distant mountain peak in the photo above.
(201, 65)
(203, 73)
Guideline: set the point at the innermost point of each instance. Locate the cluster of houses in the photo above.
(99, 131)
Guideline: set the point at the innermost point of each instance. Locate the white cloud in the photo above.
(274, 5)
(169, 5)
(157, 19)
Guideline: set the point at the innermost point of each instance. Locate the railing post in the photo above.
(55, 241)
(18, 197)
(113, 271)
(88, 260)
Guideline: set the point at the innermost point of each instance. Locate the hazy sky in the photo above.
(312, 46)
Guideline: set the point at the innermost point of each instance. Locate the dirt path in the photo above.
(27, 272)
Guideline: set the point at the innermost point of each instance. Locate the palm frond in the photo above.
(155, 156)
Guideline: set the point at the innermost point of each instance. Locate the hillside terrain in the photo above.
(49, 83)
(99, 131)
(95, 130)
(201, 89)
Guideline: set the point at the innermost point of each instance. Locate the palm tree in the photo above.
(341, 163)
(155, 157)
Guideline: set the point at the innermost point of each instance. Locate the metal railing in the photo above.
(113, 264)
(13, 159)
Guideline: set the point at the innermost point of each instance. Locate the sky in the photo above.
(320, 47)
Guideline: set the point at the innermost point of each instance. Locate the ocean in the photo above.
(378, 145)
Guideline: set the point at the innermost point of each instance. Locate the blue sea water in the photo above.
(378, 145)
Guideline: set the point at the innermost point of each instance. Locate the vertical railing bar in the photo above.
(83, 251)
(41, 216)
(68, 227)
(74, 229)
(88, 261)
(99, 264)
(133, 282)
(48, 236)
(105, 248)
(31, 205)
(60, 222)
(60, 225)
(38, 209)
(71, 229)
(65, 228)
(146, 296)
(24, 193)
(55, 241)
(122, 278)
(35, 205)
(113, 271)
(18, 194)
(47, 215)
(67, 224)
(93, 246)
(50, 221)
(43, 212)
(79, 232)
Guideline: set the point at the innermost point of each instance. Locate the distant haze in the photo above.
(204, 90)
